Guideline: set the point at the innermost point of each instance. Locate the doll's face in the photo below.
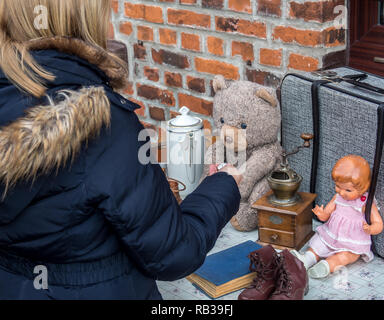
(347, 191)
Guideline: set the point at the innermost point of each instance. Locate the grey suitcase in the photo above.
(344, 109)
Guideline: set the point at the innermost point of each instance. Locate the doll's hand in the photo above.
(320, 213)
(366, 228)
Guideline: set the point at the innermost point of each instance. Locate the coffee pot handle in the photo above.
(191, 152)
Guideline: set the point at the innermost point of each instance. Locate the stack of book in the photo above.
(225, 271)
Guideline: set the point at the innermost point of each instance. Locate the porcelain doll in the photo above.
(346, 236)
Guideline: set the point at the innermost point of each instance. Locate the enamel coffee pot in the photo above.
(185, 153)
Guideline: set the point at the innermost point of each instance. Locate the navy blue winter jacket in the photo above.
(79, 202)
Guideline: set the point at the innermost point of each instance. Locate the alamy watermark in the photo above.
(40, 282)
(340, 280)
(340, 21)
(41, 19)
(189, 148)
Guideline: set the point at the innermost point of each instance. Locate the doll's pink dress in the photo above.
(344, 231)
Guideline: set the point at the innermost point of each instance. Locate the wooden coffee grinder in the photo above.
(284, 214)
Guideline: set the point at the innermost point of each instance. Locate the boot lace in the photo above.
(263, 272)
(284, 282)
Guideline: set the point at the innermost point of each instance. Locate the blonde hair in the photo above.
(354, 169)
(87, 20)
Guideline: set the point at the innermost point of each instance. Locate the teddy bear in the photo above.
(247, 123)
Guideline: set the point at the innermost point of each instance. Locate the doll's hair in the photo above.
(354, 169)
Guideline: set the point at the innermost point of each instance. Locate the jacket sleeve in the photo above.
(166, 241)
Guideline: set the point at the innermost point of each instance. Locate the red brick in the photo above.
(304, 63)
(157, 113)
(167, 98)
(173, 79)
(139, 51)
(144, 12)
(215, 45)
(148, 92)
(154, 93)
(151, 73)
(334, 37)
(250, 28)
(171, 58)
(188, 1)
(244, 49)
(188, 18)
(321, 11)
(269, 7)
(144, 33)
(271, 57)
(126, 28)
(212, 4)
(134, 11)
(240, 5)
(207, 125)
(115, 6)
(157, 56)
(174, 114)
(141, 111)
(227, 70)
(167, 36)
(148, 125)
(196, 84)
(190, 41)
(195, 104)
(129, 89)
(309, 38)
(263, 77)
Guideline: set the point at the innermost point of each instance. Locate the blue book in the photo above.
(225, 271)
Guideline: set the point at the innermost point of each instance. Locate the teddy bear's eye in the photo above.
(222, 120)
(243, 126)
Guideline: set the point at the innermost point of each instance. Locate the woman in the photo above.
(79, 209)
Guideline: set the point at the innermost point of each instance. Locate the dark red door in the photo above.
(367, 35)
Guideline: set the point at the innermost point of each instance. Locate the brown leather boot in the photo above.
(264, 263)
(291, 279)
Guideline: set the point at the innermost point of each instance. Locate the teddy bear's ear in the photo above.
(266, 96)
(219, 83)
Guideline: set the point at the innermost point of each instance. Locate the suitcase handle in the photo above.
(366, 86)
(355, 79)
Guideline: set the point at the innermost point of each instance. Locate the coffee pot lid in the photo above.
(184, 120)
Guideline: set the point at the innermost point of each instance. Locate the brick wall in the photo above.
(176, 47)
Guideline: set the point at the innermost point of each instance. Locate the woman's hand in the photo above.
(228, 168)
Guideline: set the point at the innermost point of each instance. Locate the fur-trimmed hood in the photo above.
(47, 136)
(115, 69)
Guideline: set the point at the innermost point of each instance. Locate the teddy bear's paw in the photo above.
(246, 228)
(236, 225)
(246, 218)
